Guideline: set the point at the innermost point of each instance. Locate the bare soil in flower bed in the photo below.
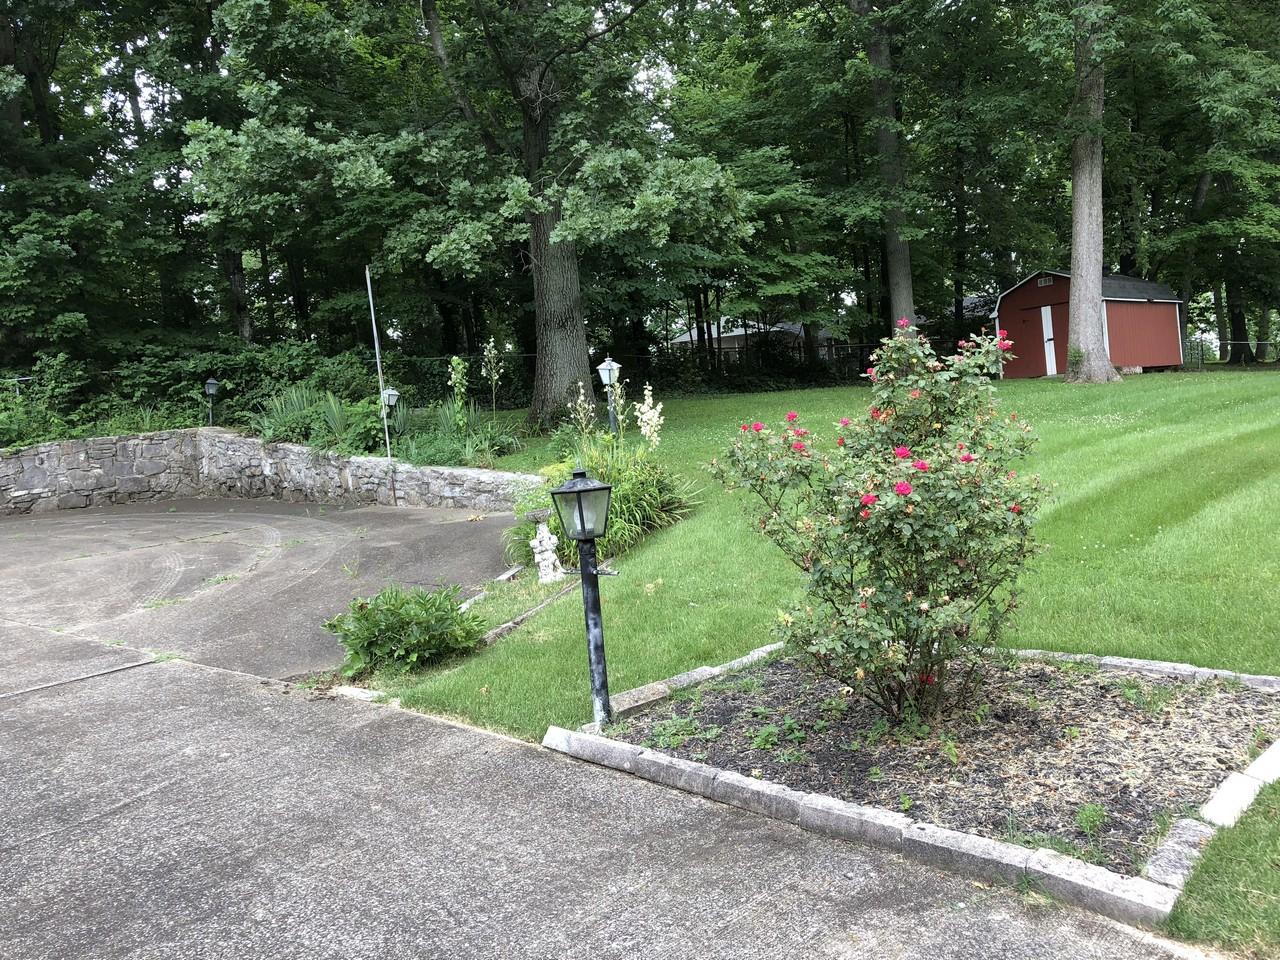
(1088, 762)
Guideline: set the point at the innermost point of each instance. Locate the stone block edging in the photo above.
(1154, 668)
(1145, 900)
(216, 462)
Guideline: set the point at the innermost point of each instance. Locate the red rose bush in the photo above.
(909, 524)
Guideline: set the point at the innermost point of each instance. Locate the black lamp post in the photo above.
(609, 376)
(583, 507)
(211, 390)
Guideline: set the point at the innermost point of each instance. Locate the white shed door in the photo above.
(1050, 358)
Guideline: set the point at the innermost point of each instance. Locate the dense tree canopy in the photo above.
(574, 177)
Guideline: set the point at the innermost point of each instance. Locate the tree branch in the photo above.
(431, 18)
(591, 37)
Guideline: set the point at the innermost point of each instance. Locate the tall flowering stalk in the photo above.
(582, 412)
(458, 383)
(909, 524)
(492, 368)
(649, 418)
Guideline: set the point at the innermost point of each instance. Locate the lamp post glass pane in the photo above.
(211, 386)
(609, 371)
(583, 506)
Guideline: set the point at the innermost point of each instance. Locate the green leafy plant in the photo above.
(647, 496)
(1090, 818)
(911, 529)
(766, 738)
(405, 629)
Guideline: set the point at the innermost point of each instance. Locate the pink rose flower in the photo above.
(1015, 508)
(757, 426)
(792, 416)
(902, 488)
(800, 432)
(901, 452)
(966, 458)
(839, 441)
(903, 323)
(959, 446)
(864, 514)
(1004, 334)
(868, 499)
(1004, 345)
(798, 447)
(875, 413)
(844, 421)
(915, 394)
(871, 372)
(921, 466)
(743, 428)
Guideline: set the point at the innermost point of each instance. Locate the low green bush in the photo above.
(405, 628)
(647, 496)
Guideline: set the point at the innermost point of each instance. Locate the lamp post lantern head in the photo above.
(389, 397)
(609, 371)
(583, 506)
(211, 387)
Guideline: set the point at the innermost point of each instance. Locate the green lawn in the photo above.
(1161, 533)
(1163, 539)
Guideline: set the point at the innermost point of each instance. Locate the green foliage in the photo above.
(405, 629)
(910, 529)
(646, 496)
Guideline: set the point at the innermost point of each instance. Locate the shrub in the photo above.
(405, 629)
(646, 497)
(911, 529)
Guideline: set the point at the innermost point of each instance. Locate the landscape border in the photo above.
(1146, 900)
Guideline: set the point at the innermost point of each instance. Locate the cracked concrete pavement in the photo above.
(201, 807)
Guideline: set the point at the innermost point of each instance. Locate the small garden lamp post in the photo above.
(583, 507)
(609, 376)
(211, 387)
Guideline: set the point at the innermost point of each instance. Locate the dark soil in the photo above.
(1049, 753)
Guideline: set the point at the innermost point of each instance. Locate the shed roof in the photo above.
(1115, 286)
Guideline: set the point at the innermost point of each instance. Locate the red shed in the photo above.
(1142, 327)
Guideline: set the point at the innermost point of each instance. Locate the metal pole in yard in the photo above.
(601, 709)
(382, 404)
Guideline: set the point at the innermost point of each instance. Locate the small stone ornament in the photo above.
(544, 555)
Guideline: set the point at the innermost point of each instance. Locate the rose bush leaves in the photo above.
(909, 523)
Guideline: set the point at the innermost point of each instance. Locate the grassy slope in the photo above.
(1162, 542)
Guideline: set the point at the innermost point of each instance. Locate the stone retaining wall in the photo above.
(215, 462)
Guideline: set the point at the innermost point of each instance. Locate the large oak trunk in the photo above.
(889, 149)
(1087, 356)
(1241, 351)
(563, 361)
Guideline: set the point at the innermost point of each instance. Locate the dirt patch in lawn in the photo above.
(1054, 754)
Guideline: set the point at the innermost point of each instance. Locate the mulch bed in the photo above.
(1052, 754)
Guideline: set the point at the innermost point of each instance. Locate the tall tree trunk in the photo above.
(1241, 352)
(892, 168)
(267, 298)
(1086, 338)
(1263, 352)
(237, 302)
(10, 109)
(563, 361)
(297, 273)
(1203, 183)
(1220, 314)
(702, 348)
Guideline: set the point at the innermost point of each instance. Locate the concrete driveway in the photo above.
(192, 809)
(241, 584)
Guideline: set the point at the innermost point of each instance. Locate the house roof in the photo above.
(1115, 286)
(795, 329)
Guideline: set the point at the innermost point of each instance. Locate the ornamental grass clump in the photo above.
(909, 522)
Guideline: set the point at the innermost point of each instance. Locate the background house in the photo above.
(1142, 326)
